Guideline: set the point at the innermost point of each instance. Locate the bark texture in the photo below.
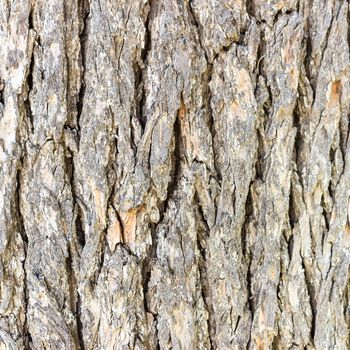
(174, 174)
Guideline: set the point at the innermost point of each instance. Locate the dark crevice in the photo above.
(163, 207)
(207, 96)
(343, 138)
(346, 306)
(83, 37)
(27, 342)
(175, 173)
(331, 289)
(237, 323)
(26, 334)
(148, 40)
(141, 112)
(326, 213)
(248, 214)
(259, 163)
(70, 171)
(30, 74)
(249, 289)
(202, 236)
(156, 334)
(146, 276)
(79, 228)
(264, 101)
(141, 72)
(201, 214)
(2, 87)
(290, 243)
(102, 256)
(298, 141)
(348, 35)
(72, 279)
(247, 254)
(142, 117)
(335, 178)
(123, 242)
(308, 54)
(121, 224)
(260, 69)
(313, 303)
(283, 11)
(292, 215)
(250, 301)
(139, 98)
(31, 19)
(228, 47)
(331, 190)
(146, 272)
(293, 219)
(74, 299)
(30, 84)
(140, 109)
(279, 299)
(80, 237)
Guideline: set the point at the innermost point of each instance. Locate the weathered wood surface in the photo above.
(174, 174)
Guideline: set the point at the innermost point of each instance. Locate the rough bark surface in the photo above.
(174, 174)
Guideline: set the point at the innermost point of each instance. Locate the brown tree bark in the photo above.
(174, 174)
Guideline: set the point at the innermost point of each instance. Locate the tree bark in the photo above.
(174, 174)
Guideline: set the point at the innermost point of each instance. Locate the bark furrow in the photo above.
(174, 174)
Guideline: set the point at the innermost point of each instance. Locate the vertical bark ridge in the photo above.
(174, 174)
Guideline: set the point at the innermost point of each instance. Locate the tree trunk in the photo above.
(174, 174)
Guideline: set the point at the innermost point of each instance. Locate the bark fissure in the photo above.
(27, 102)
(203, 275)
(83, 37)
(211, 122)
(246, 252)
(80, 237)
(174, 175)
(26, 333)
(142, 70)
(313, 303)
